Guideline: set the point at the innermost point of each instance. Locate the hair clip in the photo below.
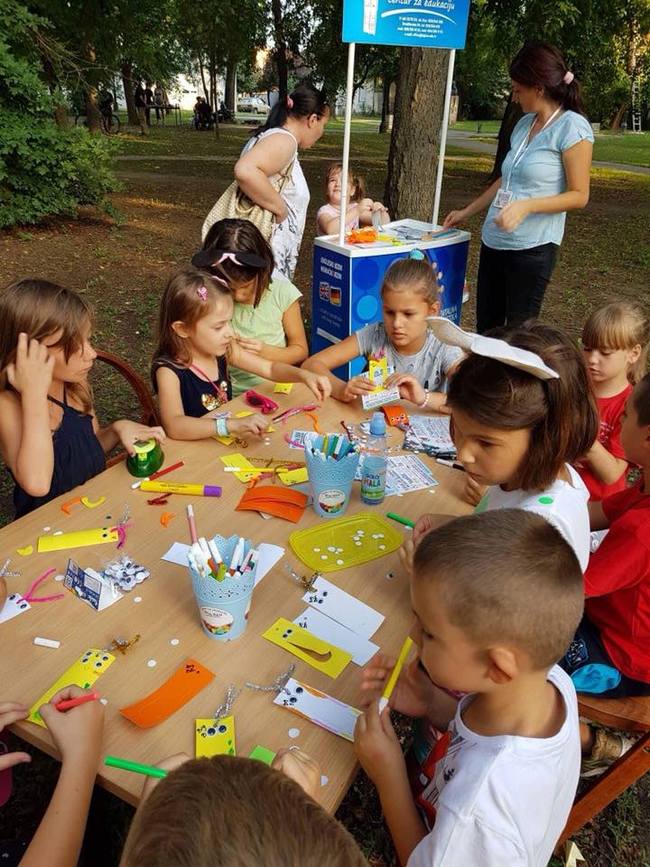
(202, 292)
(491, 347)
(210, 257)
(568, 77)
(418, 255)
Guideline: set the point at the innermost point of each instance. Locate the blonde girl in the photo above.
(50, 438)
(615, 348)
(191, 362)
(421, 363)
(360, 209)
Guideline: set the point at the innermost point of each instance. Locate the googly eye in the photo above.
(299, 690)
(211, 731)
(223, 729)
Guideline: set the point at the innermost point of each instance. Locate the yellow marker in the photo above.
(79, 539)
(215, 737)
(395, 673)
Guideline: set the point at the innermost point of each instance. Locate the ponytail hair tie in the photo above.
(289, 103)
(568, 77)
(202, 292)
(418, 255)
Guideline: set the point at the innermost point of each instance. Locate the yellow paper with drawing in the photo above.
(215, 737)
(84, 672)
(78, 539)
(321, 655)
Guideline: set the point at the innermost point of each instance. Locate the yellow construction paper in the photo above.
(92, 504)
(293, 477)
(84, 672)
(26, 551)
(283, 388)
(79, 539)
(321, 655)
(378, 372)
(248, 470)
(215, 737)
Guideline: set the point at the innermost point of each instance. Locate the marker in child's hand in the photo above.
(69, 703)
(395, 673)
(136, 767)
(407, 522)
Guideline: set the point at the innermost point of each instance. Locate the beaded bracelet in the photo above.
(221, 426)
(425, 402)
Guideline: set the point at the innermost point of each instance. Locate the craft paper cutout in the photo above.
(78, 539)
(490, 347)
(293, 477)
(92, 504)
(320, 654)
(323, 710)
(186, 682)
(283, 387)
(67, 506)
(26, 551)
(14, 605)
(280, 502)
(248, 470)
(324, 627)
(215, 737)
(83, 673)
(166, 517)
(378, 372)
(344, 608)
(262, 754)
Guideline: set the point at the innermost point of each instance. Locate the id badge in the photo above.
(502, 198)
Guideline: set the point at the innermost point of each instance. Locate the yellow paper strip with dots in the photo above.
(84, 672)
(79, 539)
(215, 737)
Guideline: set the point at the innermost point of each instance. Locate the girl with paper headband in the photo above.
(267, 319)
(190, 369)
(420, 362)
(522, 412)
(50, 438)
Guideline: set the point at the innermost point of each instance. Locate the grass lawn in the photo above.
(122, 267)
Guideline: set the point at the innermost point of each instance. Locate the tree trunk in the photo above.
(203, 82)
(619, 117)
(230, 96)
(127, 84)
(412, 158)
(510, 119)
(386, 124)
(280, 53)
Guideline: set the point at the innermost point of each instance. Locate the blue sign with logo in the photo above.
(418, 23)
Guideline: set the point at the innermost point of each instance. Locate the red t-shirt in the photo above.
(610, 410)
(618, 577)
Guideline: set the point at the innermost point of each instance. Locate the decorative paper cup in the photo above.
(224, 605)
(331, 480)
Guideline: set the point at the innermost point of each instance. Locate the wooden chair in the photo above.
(149, 414)
(626, 714)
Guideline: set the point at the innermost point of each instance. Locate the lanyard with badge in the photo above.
(504, 194)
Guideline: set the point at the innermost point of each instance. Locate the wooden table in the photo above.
(168, 610)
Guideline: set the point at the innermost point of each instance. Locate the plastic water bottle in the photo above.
(373, 476)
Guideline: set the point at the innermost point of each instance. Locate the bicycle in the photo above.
(110, 123)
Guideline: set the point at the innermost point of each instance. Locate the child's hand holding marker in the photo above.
(77, 732)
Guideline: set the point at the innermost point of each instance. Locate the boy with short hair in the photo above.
(610, 654)
(236, 812)
(497, 597)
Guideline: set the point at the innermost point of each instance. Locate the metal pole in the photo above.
(346, 141)
(443, 137)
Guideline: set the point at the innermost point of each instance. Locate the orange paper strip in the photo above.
(182, 686)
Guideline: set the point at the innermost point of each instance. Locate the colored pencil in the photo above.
(395, 673)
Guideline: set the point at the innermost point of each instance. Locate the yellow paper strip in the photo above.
(215, 737)
(84, 672)
(79, 539)
(237, 460)
(321, 655)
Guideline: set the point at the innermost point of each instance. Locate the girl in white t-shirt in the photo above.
(518, 429)
(359, 211)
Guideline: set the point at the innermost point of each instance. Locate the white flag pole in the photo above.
(346, 141)
(443, 137)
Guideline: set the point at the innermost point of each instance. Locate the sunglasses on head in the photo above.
(212, 257)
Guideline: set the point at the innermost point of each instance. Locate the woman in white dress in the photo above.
(293, 125)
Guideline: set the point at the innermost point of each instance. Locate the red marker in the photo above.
(69, 703)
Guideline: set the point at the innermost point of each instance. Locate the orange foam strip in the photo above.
(65, 507)
(182, 686)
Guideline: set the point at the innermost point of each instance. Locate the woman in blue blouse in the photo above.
(544, 175)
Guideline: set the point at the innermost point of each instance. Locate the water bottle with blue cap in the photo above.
(373, 474)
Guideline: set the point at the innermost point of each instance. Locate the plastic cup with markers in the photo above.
(332, 463)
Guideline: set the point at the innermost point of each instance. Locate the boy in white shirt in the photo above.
(497, 597)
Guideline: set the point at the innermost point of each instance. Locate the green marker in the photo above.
(136, 767)
(407, 522)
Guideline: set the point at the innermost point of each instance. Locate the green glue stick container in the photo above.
(148, 458)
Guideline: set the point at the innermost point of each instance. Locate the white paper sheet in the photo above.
(329, 630)
(344, 608)
(269, 556)
(14, 605)
(322, 709)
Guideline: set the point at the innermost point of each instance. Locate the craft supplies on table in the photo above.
(159, 473)
(187, 489)
(147, 460)
(343, 607)
(79, 539)
(69, 703)
(332, 463)
(319, 707)
(135, 767)
(214, 737)
(186, 682)
(406, 522)
(315, 651)
(404, 474)
(429, 434)
(83, 673)
(345, 542)
(279, 502)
